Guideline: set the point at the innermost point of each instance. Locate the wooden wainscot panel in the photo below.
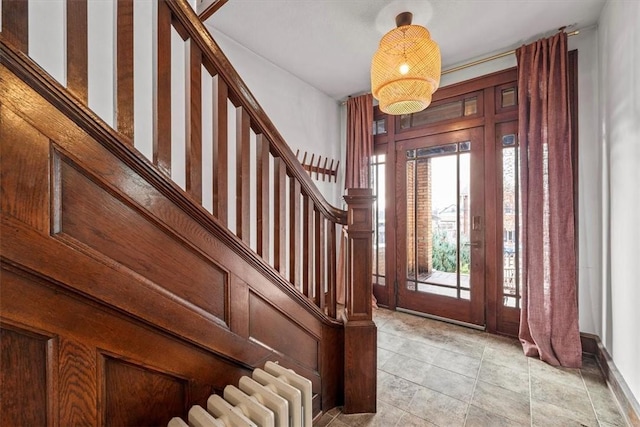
(100, 353)
(77, 390)
(239, 307)
(134, 395)
(133, 180)
(278, 332)
(24, 171)
(23, 378)
(64, 265)
(359, 378)
(360, 217)
(86, 211)
(118, 228)
(332, 367)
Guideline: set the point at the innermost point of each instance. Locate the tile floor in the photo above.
(432, 373)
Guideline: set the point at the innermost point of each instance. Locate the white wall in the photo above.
(619, 49)
(47, 47)
(589, 183)
(308, 119)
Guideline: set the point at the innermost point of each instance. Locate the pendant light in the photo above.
(405, 70)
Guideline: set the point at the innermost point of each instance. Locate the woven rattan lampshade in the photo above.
(405, 70)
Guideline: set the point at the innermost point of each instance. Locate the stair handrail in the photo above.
(240, 93)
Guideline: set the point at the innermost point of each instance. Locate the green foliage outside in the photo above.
(444, 254)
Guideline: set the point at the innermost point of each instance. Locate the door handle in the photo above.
(472, 244)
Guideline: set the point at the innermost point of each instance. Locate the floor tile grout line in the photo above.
(613, 397)
(427, 363)
(409, 404)
(410, 335)
(530, 392)
(447, 334)
(437, 348)
(402, 335)
(396, 376)
(422, 385)
(431, 362)
(427, 387)
(584, 388)
(475, 384)
(593, 407)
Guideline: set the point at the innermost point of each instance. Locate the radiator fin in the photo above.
(273, 397)
(198, 417)
(273, 401)
(257, 413)
(301, 383)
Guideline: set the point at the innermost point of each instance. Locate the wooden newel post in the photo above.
(360, 332)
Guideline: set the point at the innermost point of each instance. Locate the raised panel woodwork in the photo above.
(29, 300)
(239, 305)
(138, 396)
(86, 328)
(332, 360)
(360, 355)
(23, 376)
(23, 171)
(132, 268)
(273, 329)
(93, 216)
(77, 383)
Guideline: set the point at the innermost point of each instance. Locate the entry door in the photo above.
(440, 223)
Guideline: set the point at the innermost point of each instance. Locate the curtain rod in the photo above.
(491, 58)
(474, 63)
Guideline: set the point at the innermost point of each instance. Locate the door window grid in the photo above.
(466, 107)
(379, 127)
(378, 181)
(439, 262)
(511, 249)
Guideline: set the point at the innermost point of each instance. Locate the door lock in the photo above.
(476, 223)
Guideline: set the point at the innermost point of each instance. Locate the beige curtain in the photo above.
(549, 314)
(359, 152)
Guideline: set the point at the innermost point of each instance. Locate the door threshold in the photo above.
(442, 319)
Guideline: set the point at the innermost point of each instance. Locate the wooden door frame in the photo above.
(485, 88)
(471, 312)
(492, 117)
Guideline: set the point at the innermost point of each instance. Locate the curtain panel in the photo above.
(549, 315)
(359, 141)
(359, 152)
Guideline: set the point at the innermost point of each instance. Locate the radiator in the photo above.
(272, 397)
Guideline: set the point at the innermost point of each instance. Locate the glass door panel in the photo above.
(439, 234)
(378, 181)
(510, 226)
(509, 250)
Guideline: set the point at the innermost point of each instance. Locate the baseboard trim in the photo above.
(592, 345)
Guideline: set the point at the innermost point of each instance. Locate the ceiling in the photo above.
(329, 43)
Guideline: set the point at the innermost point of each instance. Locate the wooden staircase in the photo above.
(125, 299)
